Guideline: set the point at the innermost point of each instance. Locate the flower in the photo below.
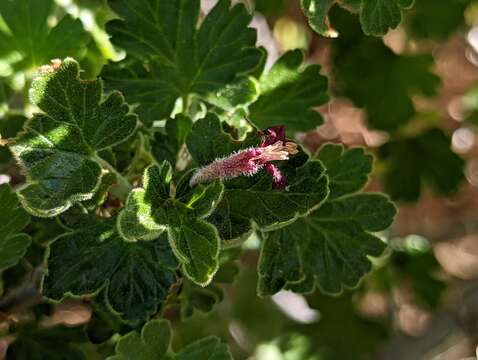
(273, 147)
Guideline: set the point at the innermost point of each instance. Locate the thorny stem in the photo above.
(123, 187)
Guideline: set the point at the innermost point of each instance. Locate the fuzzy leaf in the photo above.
(29, 41)
(403, 76)
(152, 209)
(252, 200)
(135, 275)
(330, 247)
(299, 89)
(154, 343)
(57, 149)
(434, 164)
(13, 219)
(169, 57)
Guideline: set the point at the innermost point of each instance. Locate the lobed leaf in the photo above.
(13, 219)
(330, 247)
(171, 58)
(58, 149)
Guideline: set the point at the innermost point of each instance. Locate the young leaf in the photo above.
(135, 275)
(170, 58)
(434, 163)
(154, 343)
(58, 148)
(379, 16)
(197, 298)
(30, 42)
(288, 94)
(154, 208)
(330, 247)
(317, 13)
(385, 82)
(13, 244)
(252, 200)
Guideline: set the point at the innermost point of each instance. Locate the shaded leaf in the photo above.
(13, 219)
(58, 148)
(135, 275)
(288, 94)
(379, 16)
(330, 247)
(161, 69)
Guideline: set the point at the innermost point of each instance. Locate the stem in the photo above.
(185, 104)
(123, 187)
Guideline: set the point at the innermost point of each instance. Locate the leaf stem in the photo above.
(123, 187)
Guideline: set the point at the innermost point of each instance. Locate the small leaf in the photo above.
(152, 209)
(136, 276)
(288, 94)
(434, 163)
(29, 40)
(252, 200)
(154, 343)
(196, 298)
(161, 69)
(57, 149)
(10, 125)
(13, 244)
(330, 247)
(317, 13)
(379, 16)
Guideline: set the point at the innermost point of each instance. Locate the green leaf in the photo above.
(135, 275)
(330, 247)
(299, 89)
(434, 164)
(154, 343)
(28, 40)
(385, 82)
(379, 16)
(54, 343)
(161, 68)
(58, 148)
(196, 298)
(239, 93)
(317, 14)
(10, 125)
(252, 200)
(154, 208)
(13, 244)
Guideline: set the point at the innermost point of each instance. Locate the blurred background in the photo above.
(421, 299)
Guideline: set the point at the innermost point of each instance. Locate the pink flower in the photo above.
(273, 147)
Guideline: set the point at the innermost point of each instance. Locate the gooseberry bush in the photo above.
(142, 185)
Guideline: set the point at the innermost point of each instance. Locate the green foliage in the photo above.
(161, 69)
(13, 219)
(385, 82)
(251, 201)
(10, 125)
(434, 164)
(27, 41)
(58, 149)
(155, 208)
(154, 342)
(330, 247)
(92, 256)
(299, 91)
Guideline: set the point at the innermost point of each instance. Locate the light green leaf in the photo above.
(289, 92)
(58, 149)
(252, 200)
(154, 343)
(136, 276)
(171, 58)
(13, 219)
(379, 16)
(330, 247)
(29, 41)
(155, 208)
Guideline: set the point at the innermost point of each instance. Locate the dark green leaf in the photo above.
(434, 164)
(196, 298)
(288, 94)
(170, 58)
(29, 41)
(10, 125)
(317, 13)
(154, 208)
(379, 16)
(252, 200)
(135, 275)
(154, 343)
(13, 244)
(57, 149)
(330, 247)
